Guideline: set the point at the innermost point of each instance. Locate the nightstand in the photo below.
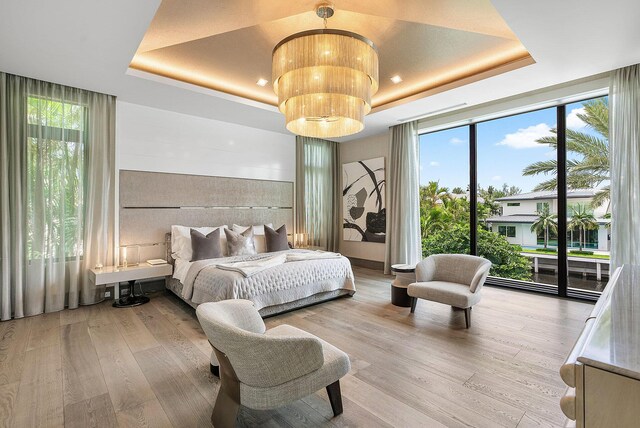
(116, 275)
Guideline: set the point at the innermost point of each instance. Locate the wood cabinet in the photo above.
(603, 368)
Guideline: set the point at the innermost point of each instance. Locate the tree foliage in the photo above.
(546, 222)
(591, 168)
(507, 262)
(583, 220)
(445, 219)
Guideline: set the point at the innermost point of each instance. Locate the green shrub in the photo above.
(546, 250)
(582, 253)
(505, 258)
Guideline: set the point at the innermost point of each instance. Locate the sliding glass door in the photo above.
(539, 207)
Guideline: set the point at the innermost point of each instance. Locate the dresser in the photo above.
(602, 370)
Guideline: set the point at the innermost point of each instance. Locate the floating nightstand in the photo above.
(116, 275)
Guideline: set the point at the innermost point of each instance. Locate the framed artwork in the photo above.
(363, 194)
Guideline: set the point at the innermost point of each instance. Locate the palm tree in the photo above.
(592, 168)
(432, 194)
(583, 220)
(545, 221)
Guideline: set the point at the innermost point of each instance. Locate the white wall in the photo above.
(525, 207)
(149, 139)
(365, 148)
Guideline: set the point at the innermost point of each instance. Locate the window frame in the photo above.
(562, 289)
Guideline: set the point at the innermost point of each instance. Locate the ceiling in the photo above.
(227, 46)
(90, 44)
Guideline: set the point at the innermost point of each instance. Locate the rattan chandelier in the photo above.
(324, 80)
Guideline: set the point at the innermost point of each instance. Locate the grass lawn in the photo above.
(570, 254)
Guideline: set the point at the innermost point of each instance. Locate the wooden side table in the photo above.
(405, 275)
(114, 274)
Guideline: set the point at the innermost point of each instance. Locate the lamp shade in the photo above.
(324, 80)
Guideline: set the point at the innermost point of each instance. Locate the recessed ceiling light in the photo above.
(262, 82)
(396, 79)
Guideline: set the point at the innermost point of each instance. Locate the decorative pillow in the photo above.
(205, 247)
(276, 239)
(258, 236)
(240, 244)
(181, 240)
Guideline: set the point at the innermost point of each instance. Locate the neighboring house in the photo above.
(519, 213)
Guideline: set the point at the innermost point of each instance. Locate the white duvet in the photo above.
(303, 273)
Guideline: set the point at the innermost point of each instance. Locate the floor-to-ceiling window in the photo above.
(444, 191)
(521, 203)
(542, 212)
(588, 205)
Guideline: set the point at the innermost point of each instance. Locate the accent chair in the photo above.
(452, 279)
(266, 369)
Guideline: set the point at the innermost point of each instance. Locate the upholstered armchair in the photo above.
(452, 279)
(265, 369)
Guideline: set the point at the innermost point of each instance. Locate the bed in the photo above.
(302, 280)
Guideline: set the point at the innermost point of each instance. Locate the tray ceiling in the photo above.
(433, 44)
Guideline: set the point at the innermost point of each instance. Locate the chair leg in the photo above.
(467, 316)
(227, 404)
(215, 370)
(225, 410)
(335, 397)
(414, 301)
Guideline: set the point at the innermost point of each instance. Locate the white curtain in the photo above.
(403, 243)
(318, 192)
(58, 179)
(624, 101)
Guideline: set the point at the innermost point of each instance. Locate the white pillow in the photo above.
(257, 229)
(259, 240)
(181, 240)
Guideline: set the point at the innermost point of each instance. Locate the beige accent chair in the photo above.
(263, 369)
(452, 279)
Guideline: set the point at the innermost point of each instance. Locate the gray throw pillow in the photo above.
(276, 239)
(205, 247)
(240, 244)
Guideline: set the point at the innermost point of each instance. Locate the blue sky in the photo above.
(505, 147)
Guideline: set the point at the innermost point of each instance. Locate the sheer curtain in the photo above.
(403, 243)
(624, 102)
(57, 194)
(318, 192)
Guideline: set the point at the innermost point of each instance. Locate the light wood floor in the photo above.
(149, 366)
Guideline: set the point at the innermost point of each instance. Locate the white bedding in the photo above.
(180, 269)
(308, 275)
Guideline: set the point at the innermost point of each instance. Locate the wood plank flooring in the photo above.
(99, 366)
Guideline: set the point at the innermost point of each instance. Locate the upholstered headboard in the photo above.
(150, 202)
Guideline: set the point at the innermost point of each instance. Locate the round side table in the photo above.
(405, 275)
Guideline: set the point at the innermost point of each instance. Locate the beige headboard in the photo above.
(150, 202)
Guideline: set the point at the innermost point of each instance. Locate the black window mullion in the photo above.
(561, 151)
(473, 191)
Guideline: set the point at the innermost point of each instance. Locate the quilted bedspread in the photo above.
(280, 284)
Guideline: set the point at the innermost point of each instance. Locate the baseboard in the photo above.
(369, 264)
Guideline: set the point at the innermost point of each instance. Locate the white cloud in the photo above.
(456, 141)
(434, 163)
(496, 178)
(573, 121)
(525, 138)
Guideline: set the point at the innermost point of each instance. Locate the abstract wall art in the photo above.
(364, 201)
